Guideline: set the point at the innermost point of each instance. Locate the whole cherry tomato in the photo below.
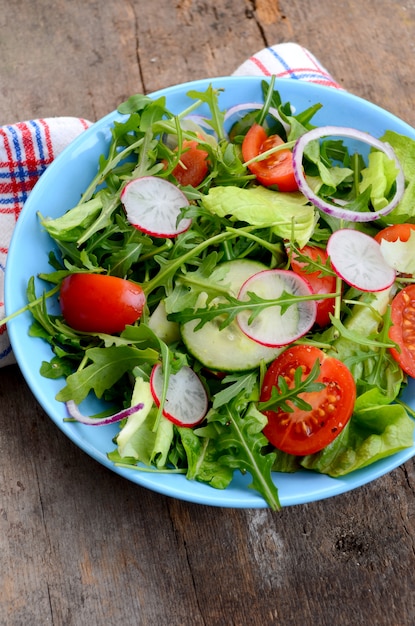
(99, 303)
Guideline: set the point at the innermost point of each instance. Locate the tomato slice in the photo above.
(395, 232)
(402, 331)
(276, 169)
(99, 303)
(302, 432)
(193, 166)
(319, 283)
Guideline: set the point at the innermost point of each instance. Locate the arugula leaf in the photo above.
(241, 446)
(203, 462)
(210, 96)
(282, 392)
(245, 384)
(107, 366)
(229, 309)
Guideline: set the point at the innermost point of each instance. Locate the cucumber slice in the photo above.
(229, 349)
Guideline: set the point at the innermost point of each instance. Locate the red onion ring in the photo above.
(76, 414)
(340, 211)
(252, 106)
(199, 120)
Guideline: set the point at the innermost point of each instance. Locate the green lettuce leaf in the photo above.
(287, 213)
(400, 254)
(71, 225)
(146, 444)
(141, 394)
(373, 433)
(404, 148)
(379, 175)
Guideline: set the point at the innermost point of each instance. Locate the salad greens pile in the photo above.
(232, 218)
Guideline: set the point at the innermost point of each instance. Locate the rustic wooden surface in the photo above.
(78, 544)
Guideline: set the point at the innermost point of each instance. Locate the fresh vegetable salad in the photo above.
(239, 288)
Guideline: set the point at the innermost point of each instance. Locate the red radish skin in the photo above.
(271, 328)
(153, 205)
(358, 260)
(186, 402)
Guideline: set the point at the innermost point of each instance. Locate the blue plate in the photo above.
(59, 189)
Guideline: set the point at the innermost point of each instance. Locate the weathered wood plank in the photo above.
(78, 544)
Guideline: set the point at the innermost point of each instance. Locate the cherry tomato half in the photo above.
(193, 166)
(319, 283)
(302, 432)
(276, 169)
(402, 331)
(99, 303)
(395, 232)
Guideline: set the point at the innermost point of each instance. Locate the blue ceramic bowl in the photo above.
(59, 189)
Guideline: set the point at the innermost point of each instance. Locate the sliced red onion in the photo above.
(199, 120)
(252, 106)
(336, 210)
(76, 414)
(195, 124)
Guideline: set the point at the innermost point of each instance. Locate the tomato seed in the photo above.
(284, 419)
(303, 429)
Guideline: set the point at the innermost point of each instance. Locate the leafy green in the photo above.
(237, 442)
(283, 392)
(379, 175)
(228, 310)
(404, 148)
(107, 366)
(372, 434)
(287, 213)
(232, 218)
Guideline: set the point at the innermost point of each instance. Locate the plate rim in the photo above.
(203, 494)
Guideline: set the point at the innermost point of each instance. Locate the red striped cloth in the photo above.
(27, 148)
(287, 60)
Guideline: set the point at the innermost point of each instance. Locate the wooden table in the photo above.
(80, 545)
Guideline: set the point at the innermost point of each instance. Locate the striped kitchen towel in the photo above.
(287, 60)
(27, 148)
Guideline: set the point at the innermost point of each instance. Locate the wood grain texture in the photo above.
(78, 544)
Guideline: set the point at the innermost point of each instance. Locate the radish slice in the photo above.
(186, 401)
(153, 206)
(341, 211)
(76, 414)
(239, 110)
(357, 258)
(272, 327)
